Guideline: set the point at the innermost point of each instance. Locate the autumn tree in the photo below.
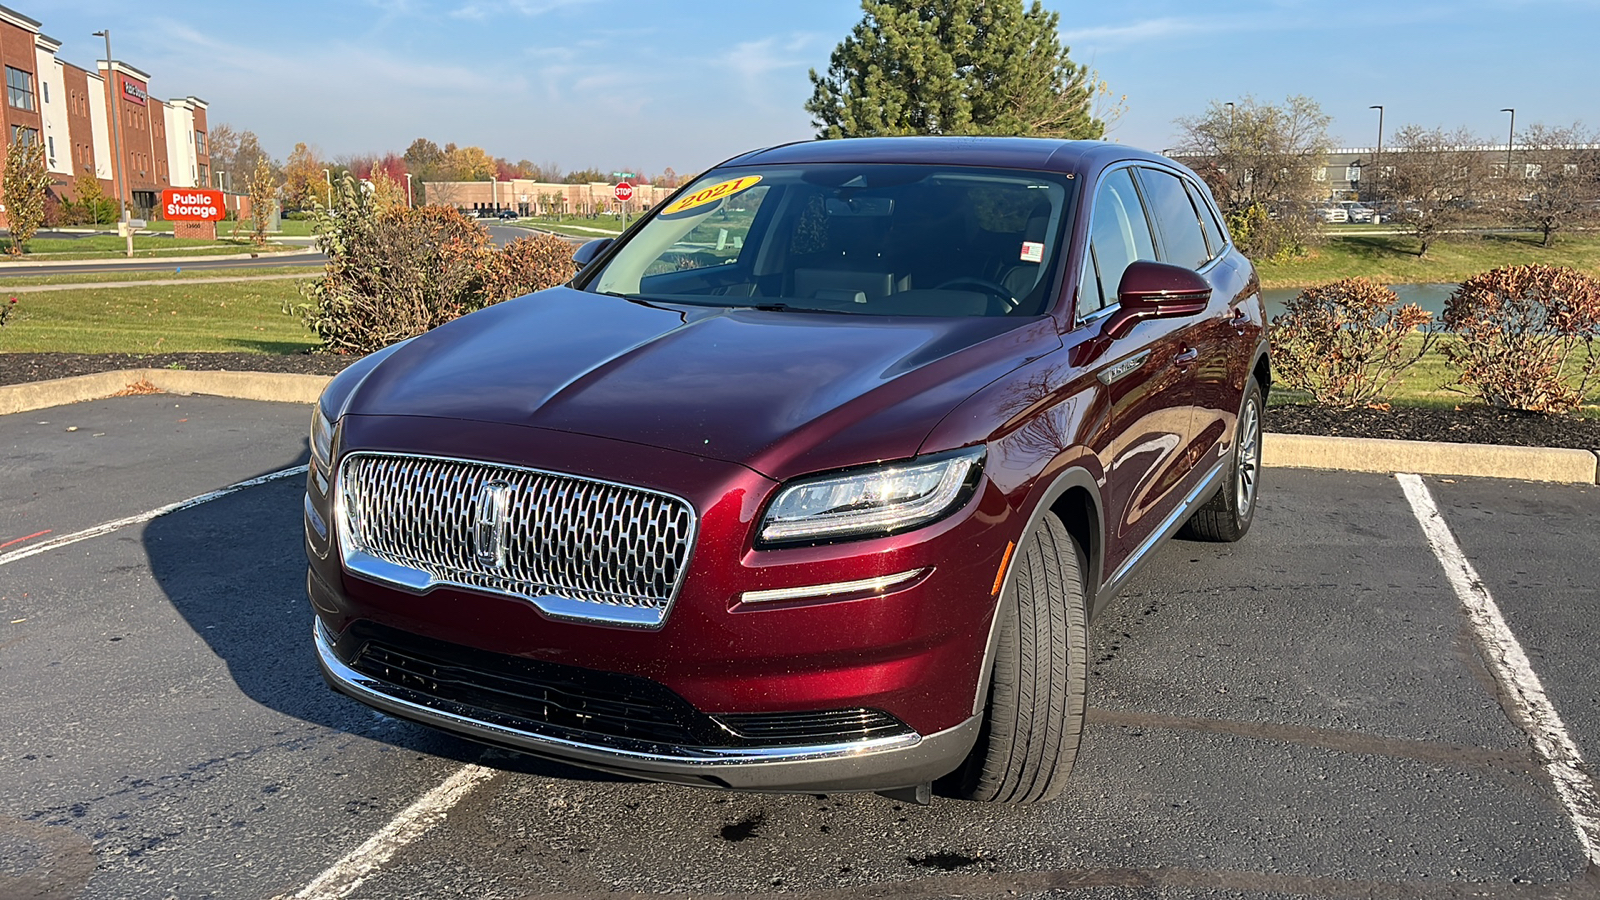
(954, 67)
(1428, 180)
(469, 164)
(26, 185)
(1562, 167)
(263, 190)
(303, 179)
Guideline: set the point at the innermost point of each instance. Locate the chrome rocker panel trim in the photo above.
(878, 764)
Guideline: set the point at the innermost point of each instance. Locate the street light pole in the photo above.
(1511, 137)
(116, 134)
(1377, 155)
(409, 204)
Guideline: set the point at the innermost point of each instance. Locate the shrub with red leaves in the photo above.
(1527, 336)
(1345, 342)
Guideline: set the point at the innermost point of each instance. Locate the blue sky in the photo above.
(625, 83)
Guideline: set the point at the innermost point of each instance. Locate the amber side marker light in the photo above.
(1000, 576)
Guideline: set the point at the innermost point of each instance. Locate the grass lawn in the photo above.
(577, 226)
(230, 317)
(177, 272)
(289, 228)
(1430, 382)
(1392, 259)
(109, 246)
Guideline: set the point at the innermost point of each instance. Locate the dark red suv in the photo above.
(811, 481)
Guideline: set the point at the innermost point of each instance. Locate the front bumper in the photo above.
(898, 760)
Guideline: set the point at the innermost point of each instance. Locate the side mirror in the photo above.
(586, 253)
(1152, 290)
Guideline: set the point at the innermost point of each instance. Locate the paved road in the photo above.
(1305, 713)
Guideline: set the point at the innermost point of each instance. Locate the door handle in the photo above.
(1186, 357)
(1239, 317)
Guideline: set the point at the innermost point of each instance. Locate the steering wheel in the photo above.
(1008, 301)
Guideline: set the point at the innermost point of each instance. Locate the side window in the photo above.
(1182, 242)
(1118, 236)
(1208, 220)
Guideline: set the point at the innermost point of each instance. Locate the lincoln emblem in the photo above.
(489, 526)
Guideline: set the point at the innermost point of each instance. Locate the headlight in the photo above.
(875, 501)
(321, 437)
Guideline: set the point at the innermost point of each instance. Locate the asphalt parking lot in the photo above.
(1308, 713)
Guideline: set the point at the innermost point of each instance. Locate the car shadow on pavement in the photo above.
(235, 569)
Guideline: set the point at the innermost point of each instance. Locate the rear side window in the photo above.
(1182, 241)
(1119, 235)
(1208, 220)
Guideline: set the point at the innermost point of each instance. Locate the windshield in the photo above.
(864, 239)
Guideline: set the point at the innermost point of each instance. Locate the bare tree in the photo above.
(1429, 179)
(1562, 168)
(1261, 161)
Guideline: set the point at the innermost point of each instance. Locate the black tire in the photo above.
(1034, 717)
(1226, 517)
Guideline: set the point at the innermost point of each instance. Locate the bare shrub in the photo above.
(1527, 336)
(391, 274)
(1345, 342)
(528, 264)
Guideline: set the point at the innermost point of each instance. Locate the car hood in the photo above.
(780, 392)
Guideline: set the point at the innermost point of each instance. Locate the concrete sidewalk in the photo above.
(1278, 450)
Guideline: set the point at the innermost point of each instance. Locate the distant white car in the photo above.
(1332, 214)
(1359, 212)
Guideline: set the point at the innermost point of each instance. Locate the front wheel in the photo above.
(1227, 516)
(1034, 718)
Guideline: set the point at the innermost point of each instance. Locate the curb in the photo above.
(272, 386)
(1278, 450)
(1430, 458)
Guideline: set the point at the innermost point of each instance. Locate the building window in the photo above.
(44, 86)
(1352, 174)
(200, 142)
(50, 142)
(1320, 173)
(27, 137)
(19, 88)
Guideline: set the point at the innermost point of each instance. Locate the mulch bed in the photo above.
(1470, 423)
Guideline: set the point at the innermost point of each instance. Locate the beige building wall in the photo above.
(540, 198)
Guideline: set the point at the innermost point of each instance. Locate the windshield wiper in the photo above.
(784, 307)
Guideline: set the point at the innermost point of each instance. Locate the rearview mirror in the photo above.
(1152, 290)
(586, 254)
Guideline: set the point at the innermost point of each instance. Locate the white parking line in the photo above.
(344, 876)
(1508, 663)
(117, 525)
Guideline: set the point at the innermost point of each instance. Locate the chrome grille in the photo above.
(576, 548)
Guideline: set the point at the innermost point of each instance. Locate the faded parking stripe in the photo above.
(119, 524)
(1512, 671)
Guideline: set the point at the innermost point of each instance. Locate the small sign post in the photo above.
(623, 192)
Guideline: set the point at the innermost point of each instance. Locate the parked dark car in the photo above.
(506, 214)
(812, 481)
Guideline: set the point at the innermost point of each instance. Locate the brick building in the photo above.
(73, 112)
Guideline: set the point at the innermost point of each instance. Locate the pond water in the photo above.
(1430, 297)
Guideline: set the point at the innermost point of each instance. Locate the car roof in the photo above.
(1043, 154)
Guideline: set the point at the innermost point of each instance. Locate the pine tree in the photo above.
(954, 67)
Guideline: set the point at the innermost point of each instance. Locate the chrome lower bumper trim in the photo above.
(893, 761)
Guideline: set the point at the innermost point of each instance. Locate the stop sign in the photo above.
(623, 191)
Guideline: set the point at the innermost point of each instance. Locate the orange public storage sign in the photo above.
(191, 205)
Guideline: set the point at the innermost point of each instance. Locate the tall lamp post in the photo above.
(1511, 137)
(116, 134)
(1377, 155)
(409, 204)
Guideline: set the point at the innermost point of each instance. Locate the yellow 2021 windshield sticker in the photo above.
(711, 194)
